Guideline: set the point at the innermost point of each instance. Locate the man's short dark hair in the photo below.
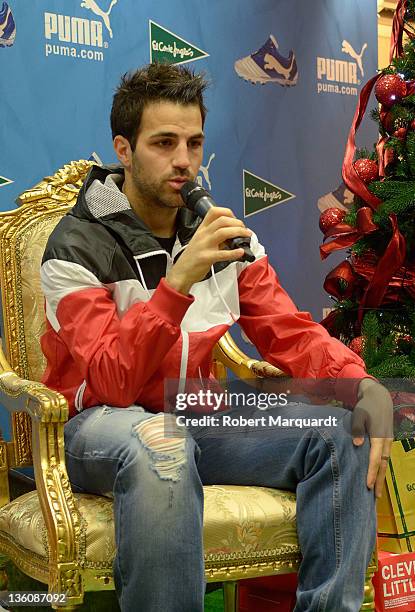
(153, 83)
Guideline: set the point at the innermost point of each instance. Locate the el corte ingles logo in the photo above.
(260, 194)
(168, 48)
(4, 181)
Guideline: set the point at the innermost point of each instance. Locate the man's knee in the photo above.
(169, 450)
(340, 438)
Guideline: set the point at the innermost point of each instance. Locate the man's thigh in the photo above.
(274, 454)
(97, 441)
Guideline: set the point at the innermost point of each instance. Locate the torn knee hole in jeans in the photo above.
(167, 453)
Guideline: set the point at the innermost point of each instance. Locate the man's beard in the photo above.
(156, 193)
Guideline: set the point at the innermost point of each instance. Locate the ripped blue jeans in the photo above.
(157, 485)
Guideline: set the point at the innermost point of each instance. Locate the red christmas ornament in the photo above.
(390, 89)
(331, 217)
(367, 169)
(356, 345)
(401, 133)
(412, 124)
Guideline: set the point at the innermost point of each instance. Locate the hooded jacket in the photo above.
(116, 330)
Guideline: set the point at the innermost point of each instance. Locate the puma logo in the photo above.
(91, 5)
(271, 63)
(347, 48)
(205, 172)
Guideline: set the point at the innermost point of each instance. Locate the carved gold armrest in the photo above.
(19, 394)
(41, 403)
(49, 412)
(228, 352)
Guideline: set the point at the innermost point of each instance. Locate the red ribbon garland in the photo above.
(380, 149)
(350, 176)
(345, 235)
(404, 278)
(398, 28)
(391, 260)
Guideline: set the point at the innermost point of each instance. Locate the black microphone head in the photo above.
(191, 193)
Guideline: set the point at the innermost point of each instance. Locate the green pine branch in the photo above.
(410, 12)
(370, 333)
(398, 195)
(390, 189)
(351, 215)
(396, 367)
(364, 153)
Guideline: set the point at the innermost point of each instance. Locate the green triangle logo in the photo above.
(168, 48)
(4, 181)
(260, 194)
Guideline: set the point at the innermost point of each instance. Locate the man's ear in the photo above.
(123, 151)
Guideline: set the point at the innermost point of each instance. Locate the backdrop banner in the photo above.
(285, 77)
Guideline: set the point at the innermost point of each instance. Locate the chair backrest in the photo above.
(23, 236)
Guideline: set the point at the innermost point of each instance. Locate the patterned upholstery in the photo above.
(242, 524)
(30, 250)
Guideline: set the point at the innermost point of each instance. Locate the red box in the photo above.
(268, 594)
(394, 582)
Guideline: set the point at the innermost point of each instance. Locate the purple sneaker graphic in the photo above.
(341, 198)
(267, 65)
(7, 26)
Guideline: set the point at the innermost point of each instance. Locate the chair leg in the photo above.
(230, 596)
(369, 599)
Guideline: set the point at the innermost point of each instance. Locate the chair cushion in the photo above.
(29, 251)
(240, 523)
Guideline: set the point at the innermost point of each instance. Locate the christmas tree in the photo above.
(374, 287)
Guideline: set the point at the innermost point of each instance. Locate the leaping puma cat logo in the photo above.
(91, 5)
(347, 48)
(205, 172)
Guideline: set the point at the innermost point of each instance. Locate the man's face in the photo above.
(168, 152)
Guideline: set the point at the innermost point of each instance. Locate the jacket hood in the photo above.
(101, 200)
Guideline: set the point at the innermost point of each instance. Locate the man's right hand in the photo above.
(373, 414)
(206, 248)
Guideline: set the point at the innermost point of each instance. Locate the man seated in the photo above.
(138, 291)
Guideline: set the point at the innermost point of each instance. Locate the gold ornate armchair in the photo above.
(64, 539)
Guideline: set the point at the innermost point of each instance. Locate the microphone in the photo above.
(200, 201)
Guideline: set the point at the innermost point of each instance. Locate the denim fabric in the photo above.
(157, 485)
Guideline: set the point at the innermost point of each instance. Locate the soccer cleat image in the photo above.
(7, 26)
(341, 198)
(267, 65)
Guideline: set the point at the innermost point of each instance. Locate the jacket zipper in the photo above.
(184, 358)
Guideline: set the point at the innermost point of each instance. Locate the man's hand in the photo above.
(373, 414)
(206, 248)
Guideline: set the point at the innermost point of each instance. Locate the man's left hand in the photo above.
(373, 414)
